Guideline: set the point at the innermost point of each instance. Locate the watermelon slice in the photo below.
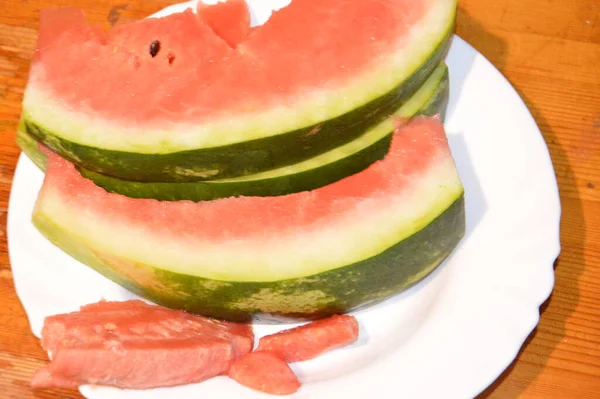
(167, 99)
(230, 20)
(341, 247)
(431, 99)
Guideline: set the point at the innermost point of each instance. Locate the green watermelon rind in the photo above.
(344, 289)
(343, 240)
(431, 99)
(255, 145)
(29, 146)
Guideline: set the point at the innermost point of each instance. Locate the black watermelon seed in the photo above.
(154, 48)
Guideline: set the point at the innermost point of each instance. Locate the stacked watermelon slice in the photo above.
(299, 168)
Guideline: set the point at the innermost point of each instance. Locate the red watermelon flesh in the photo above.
(230, 20)
(44, 378)
(137, 364)
(197, 76)
(310, 340)
(136, 345)
(417, 175)
(105, 306)
(123, 50)
(134, 321)
(265, 372)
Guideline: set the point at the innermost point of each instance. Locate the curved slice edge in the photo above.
(431, 99)
(339, 290)
(367, 244)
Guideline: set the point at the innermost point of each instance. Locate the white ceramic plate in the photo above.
(450, 336)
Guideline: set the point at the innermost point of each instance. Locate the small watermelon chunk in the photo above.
(265, 372)
(137, 346)
(230, 20)
(311, 340)
(137, 364)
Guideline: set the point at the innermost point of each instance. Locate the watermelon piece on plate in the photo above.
(230, 19)
(431, 99)
(265, 372)
(136, 345)
(312, 254)
(310, 340)
(167, 99)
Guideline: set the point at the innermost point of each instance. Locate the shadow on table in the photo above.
(490, 46)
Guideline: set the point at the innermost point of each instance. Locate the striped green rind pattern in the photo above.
(343, 289)
(30, 147)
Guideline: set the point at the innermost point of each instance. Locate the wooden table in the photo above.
(548, 49)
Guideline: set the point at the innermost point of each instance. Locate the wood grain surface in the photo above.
(550, 52)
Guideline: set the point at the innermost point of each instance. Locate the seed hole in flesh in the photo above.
(171, 58)
(154, 48)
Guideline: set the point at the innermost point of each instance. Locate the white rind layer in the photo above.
(372, 226)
